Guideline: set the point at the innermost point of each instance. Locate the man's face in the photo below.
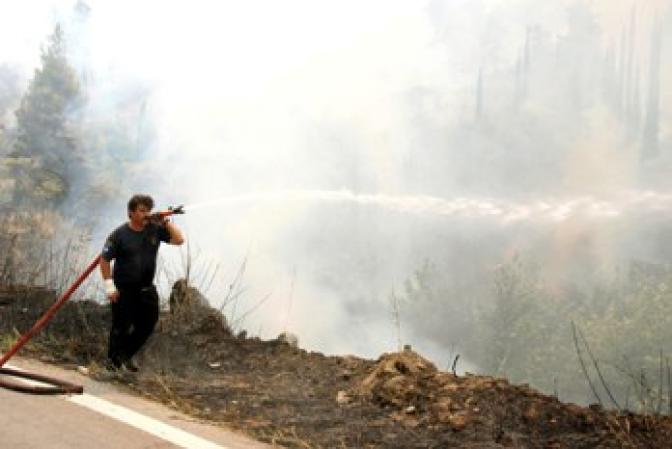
(140, 216)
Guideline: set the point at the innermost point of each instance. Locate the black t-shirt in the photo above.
(135, 254)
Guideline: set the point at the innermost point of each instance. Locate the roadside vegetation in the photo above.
(605, 343)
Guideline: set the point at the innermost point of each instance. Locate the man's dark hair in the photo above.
(140, 200)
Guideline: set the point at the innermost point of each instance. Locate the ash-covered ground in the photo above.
(285, 395)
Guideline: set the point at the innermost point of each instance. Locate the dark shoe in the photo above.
(110, 371)
(130, 366)
(112, 365)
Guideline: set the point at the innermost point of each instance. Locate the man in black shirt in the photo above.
(129, 285)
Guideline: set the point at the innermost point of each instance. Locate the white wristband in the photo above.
(110, 287)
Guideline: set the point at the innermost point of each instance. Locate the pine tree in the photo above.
(650, 143)
(45, 132)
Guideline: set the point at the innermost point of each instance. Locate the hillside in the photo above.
(296, 398)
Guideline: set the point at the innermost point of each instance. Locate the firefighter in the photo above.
(129, 282)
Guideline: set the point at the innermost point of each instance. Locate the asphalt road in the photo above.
(102, 418)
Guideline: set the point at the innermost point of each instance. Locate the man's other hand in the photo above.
(111, 290)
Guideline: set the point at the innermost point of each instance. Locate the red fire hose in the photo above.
(59, 387)
(56, 386)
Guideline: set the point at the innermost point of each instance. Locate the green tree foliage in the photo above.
(9, 91)
(46, 134)
(439, 306)
(523, 331)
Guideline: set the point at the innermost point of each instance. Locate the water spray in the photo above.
(504, 212)
(56, 386)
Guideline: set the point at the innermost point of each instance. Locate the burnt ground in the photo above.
(291, 397)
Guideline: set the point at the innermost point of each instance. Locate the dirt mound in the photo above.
(420, 396)
(282, 394)
(183, 338)
(398, 379)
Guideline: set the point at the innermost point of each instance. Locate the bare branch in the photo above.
(583, 365)
(599, 372)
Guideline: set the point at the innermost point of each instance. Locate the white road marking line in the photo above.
(132, 418)
(150, 425)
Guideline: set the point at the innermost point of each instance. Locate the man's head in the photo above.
(139, 209)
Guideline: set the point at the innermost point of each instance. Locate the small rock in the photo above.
(343, 398)
(346, 374)
(595, 407)
(215, 365)
(532, 413)
(83, 370)
(289, 338)
(410, 409)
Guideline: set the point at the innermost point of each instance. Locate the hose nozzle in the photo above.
(176, 209)
(172, 210)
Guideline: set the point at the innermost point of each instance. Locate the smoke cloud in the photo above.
(335, 147)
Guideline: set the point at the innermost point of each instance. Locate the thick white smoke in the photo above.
(254, 100)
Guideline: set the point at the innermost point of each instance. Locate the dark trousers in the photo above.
(134, 316)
